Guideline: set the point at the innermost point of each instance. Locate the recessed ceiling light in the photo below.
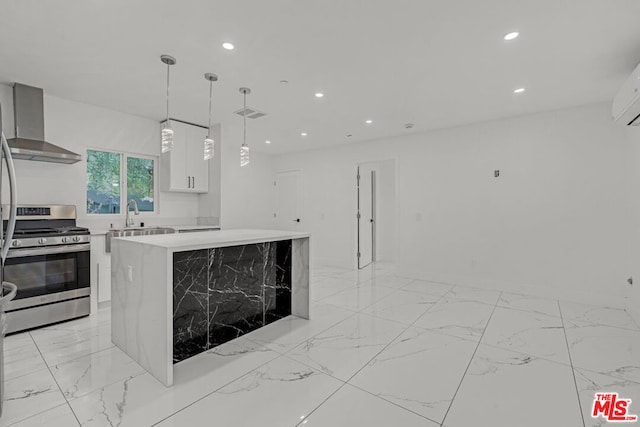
(511, 36)
(228, 46)
(519, 90)
(368, 121)
(267, 142)
(319, 94)
(303, 134)
(284, 82)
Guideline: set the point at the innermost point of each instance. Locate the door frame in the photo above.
(355, 235)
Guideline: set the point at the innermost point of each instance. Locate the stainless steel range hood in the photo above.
(29, 143)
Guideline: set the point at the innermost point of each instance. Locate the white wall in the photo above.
(633, 302)
(554, 223)
(247, 193)
(386, 228)
(76, 127)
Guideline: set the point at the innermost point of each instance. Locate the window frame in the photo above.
(124, 196)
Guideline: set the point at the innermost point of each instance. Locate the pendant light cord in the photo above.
(168, 67)
(244, 116)
(210, 96)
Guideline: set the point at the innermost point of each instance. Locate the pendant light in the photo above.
(208, 140)
(244, 149)
(167, 132)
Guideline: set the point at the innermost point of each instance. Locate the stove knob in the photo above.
(42, 241)
(65, 239)
(16, 243)
(76, 238)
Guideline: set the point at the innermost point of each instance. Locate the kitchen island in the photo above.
(177, 295)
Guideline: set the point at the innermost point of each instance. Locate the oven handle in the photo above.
(48, 250)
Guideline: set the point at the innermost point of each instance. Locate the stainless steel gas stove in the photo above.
(49, 262)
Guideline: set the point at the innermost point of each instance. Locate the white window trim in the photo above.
(124, 155)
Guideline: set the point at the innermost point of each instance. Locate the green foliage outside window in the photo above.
(140, 182)
(103, 182)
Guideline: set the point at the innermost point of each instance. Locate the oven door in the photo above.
(48, 274)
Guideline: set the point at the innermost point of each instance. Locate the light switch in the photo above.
(130, 273)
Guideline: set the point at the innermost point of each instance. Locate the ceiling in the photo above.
(433, 63)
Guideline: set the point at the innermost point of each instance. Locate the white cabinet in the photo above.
(100, 270)
(183, 168)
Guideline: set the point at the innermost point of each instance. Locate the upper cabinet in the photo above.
(183, 168)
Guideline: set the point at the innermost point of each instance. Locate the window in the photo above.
(106, 177)
(103, 182)
(140, 182)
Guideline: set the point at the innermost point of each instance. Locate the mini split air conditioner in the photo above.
(626, 104)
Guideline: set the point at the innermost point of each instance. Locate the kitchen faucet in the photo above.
(128, 219)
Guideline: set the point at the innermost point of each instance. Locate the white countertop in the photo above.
(193, 241)
(178, 228)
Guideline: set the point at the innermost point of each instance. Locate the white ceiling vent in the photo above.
(251, 113)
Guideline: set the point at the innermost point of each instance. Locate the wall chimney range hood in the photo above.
(29, 143)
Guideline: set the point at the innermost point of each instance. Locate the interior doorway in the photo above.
(376, 212)
(366, 180)
(288, 192)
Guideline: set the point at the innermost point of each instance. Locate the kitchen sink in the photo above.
(133, 231)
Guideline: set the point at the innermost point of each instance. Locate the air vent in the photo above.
(250, 112)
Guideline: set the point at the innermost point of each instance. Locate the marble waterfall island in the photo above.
(177, 295)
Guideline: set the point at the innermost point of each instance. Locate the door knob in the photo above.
(296, 220)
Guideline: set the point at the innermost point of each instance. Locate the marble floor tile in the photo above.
(465, 319)
(433, 288)
(330, 286)
(602, 315)
(29, 395)
(21, 356)
(402, 306)
(386, 281)
(60, 416)
(419, 371)
(280, 393)
(604, 349)
(95, 371)
(358, 298)
(506, 389)
(62, 345)
(143, 401)
(537, 305)
(589, 383)
(527, 332)
(291, 331)
(351, 406)
(467, 293)
(343, 349)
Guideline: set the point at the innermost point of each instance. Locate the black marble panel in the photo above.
(222, 293)
(278, 298)
(236, 291)
(190, 304)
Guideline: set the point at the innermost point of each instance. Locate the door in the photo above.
(38, 272)
(287, 213)
(366, 215)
